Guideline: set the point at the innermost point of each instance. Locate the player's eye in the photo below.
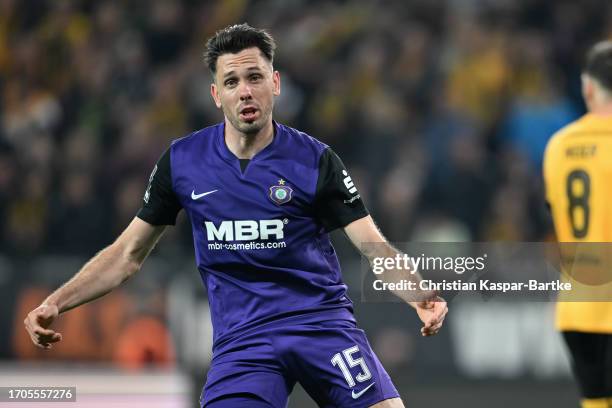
(255, 77)
(230, 83)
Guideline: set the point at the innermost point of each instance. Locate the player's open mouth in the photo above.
(249, 113)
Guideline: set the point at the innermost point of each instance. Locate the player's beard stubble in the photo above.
(249, 127)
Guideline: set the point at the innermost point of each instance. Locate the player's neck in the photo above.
(600, 103)
(245, 146)
(602, 110)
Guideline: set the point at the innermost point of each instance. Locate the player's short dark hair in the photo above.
(598, 64)
(235, 38)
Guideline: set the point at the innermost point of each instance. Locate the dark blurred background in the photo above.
(440, 109)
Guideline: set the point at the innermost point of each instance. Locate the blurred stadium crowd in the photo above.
(441, 109)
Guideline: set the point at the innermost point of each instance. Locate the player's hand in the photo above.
(432, 313)
(37, 324)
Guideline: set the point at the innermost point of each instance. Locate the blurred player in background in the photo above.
(261, 198)
(578, 178)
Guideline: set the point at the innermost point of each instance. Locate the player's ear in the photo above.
(588, 90)
(214, 92)
(277, 84)
(583, 82)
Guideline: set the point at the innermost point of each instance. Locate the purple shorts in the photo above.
(332, 360)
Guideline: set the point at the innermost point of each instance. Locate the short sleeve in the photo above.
(337, 202)
(160, 204)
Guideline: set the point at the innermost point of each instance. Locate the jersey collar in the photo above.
(227, 154)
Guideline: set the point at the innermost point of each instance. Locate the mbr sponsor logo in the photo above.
(245, 230)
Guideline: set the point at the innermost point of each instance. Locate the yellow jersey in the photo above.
(578, 181)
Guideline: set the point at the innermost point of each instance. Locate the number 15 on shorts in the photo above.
(345, 359)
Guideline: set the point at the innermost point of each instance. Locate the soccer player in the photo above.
(577, 169)
(261, 198)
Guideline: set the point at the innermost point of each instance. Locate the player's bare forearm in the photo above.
(366, 236)
(109, 268)
(384, 250)
(430, 308)
(104, 272)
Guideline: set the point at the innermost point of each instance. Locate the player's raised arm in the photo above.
(431, 308)
(116, 263)
(104, 272)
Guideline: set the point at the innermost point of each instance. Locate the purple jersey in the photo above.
(260, 228)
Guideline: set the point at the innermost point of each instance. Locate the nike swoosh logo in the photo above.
(195, 196)
(360, 393)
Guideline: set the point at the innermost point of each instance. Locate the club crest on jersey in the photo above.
(280, 193)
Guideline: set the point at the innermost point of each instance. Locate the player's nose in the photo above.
(245, 92)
